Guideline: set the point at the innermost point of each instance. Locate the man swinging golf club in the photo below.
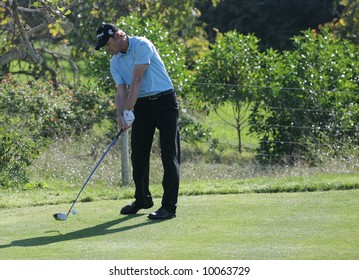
(146, 100)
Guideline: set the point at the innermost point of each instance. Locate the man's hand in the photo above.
(129, 117)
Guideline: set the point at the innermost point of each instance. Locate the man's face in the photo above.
(116, 44)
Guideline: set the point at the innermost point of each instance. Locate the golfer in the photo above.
(145, 100)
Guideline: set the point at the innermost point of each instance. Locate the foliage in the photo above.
(17, 152)
(181, 19)
(49, 111)
(32, 115)
(23, 27)
(61, 32)
(192, 131)
(319, 78)
(67, 32)
(178, 16)
(346, 24)
(311, 99)
(230, 73)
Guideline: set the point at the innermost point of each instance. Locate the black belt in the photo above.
(158, 95)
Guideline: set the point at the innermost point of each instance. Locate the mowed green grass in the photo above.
(253, 226)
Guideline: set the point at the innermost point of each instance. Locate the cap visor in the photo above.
(100, 45)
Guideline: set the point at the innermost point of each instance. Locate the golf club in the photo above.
(63, 216)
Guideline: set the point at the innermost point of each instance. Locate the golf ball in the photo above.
(74, 211)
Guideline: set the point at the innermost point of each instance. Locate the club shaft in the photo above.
(93, 171)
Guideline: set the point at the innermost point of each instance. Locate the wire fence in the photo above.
(295, 124)
(305, 124)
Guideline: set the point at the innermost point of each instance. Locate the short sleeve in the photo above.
(143, 52)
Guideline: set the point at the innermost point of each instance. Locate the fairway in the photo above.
(297, 226)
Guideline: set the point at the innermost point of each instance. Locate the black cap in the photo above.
(103, 33)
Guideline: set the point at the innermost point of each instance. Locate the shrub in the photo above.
(17, 152)
(310, 102)
(32, 115)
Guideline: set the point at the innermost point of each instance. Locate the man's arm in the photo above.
(121, 98)
(135, 86)
(127, 102)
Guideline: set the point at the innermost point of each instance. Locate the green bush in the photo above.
(32, 115)
(309, 104)
(17, 152)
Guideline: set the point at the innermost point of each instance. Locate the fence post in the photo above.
(125, 162)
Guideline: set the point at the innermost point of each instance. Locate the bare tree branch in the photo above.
(25, 50)
(61, 56)
(30, 50)
(30, 10)
(9, 56)
(56, 15)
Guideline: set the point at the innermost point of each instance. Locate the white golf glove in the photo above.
(129, 117)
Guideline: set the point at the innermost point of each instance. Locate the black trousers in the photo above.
(162, 114)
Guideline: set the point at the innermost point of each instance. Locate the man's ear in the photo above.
(116, 36)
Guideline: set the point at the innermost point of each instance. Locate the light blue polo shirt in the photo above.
(141, 51)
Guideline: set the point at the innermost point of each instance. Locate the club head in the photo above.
(60, 216)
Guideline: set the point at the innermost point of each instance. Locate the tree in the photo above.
(230, 73)
(181, 19)
(310, 100)
(22, 26)
(346, 24)
(54, 47)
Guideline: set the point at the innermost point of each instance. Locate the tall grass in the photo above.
(70, 161)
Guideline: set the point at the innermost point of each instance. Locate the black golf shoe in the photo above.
(161, 214)
(133, 208)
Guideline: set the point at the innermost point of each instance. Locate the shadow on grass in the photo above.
(98, 230)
